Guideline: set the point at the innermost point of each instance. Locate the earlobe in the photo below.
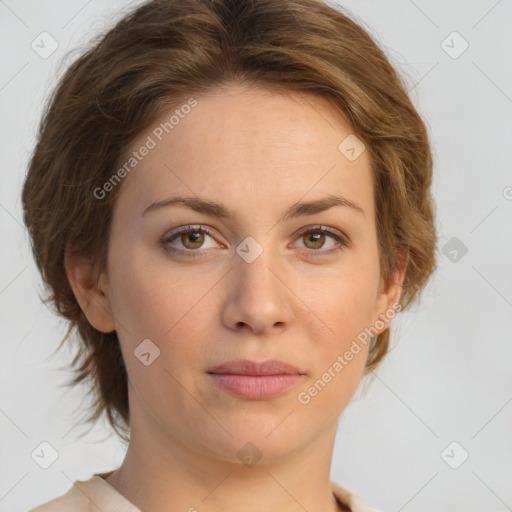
(90, 291)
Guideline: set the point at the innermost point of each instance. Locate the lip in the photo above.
(256, 381)
(248, 367)
(255, 387)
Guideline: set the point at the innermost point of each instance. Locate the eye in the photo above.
(191, 238)
(315, 238)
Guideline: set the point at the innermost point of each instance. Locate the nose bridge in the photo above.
(255, 267)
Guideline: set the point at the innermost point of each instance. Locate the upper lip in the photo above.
(248, 367)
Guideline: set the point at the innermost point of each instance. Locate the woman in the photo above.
(229, 201)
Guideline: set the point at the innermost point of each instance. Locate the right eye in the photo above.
(191, 238)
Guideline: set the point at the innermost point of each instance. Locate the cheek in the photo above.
(145, 301)
(342, 301)
(341, 350)
(155, 299)
(328, 393)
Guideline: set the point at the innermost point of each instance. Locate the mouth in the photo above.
(248, 367)
(256, 381)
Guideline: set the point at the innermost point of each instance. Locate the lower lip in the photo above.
(255, 387)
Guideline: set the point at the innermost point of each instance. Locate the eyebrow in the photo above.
(218, 210)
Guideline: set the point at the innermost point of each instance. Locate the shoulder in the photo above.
(350, 500)
(96, 491)
(84, 496)
(72, 501)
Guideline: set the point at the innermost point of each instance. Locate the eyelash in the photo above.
(200, 229)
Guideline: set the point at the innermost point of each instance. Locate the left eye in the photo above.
(315, 239)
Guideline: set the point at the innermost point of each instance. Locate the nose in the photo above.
(259, 299)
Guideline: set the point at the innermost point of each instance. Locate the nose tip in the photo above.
(258, 301)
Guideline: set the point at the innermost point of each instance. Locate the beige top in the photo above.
(96, 494)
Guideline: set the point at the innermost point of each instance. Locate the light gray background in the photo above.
(449, 376)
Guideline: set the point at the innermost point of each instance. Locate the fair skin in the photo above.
(257, 153)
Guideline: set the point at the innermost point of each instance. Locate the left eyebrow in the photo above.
(215, 209)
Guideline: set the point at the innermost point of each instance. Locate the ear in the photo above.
(91, 291)
(388, 299)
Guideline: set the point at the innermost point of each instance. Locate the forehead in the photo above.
(248, 145)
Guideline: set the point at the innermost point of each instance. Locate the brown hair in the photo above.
(159, 55)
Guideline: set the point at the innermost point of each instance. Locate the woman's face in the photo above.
(256, 284)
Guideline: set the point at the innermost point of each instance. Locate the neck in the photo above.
(161, 474)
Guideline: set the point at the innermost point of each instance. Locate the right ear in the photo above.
(91, 291)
